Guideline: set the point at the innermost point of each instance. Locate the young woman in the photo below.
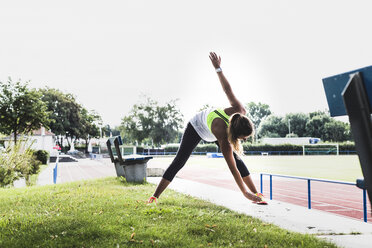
(227, 127)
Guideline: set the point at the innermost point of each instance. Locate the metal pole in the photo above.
(365, 205)
(308, 194)
(271, 187)
(261, 186)
(55, 169)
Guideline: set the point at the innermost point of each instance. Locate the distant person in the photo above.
(227, 127)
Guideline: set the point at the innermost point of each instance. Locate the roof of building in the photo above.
(39, 132)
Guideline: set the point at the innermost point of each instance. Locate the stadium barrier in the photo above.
(248, 153)
(308, 179)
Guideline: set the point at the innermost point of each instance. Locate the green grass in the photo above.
(33, 178)
(112, 213)
(342, 168)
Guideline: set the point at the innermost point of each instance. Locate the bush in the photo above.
(18, 161)
(268, 147)
(202, 148)
(42, 156)
(206, 148)
(171, 149)
(252, 148)
(346, 146)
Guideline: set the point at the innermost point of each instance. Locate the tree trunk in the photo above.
(86, 146)
(68, 142)
(15, 137)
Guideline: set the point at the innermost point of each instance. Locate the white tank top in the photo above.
(199, 122)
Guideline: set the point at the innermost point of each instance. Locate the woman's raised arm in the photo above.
(236, 105)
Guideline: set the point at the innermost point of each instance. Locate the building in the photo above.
(40, 139)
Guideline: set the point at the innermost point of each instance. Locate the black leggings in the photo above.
(190, 140)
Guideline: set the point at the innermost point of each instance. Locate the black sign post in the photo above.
(359, 112)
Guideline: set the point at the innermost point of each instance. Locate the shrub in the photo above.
(18, 161)
(202, 148)
(42, 156)
(347, 146)
(268, 147)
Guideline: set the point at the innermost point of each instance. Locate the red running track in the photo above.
(340, 199)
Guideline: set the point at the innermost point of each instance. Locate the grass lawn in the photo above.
(342, 168)
(112, 213)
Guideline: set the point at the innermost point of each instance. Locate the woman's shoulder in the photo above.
(233, 110)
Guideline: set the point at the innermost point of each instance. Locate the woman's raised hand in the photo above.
(216, 60)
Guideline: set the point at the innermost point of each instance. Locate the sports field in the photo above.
(332, 167)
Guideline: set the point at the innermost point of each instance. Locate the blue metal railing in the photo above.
(309, 188)
(162, 153)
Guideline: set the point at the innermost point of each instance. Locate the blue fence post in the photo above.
(365, 205)
(55, 174)
(261, 184)
(308, 194)
(271, 187)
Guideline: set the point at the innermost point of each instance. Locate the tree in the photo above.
(315, 126)
(65, 112)
(205, 106)
(257, 112)
(150, 120)
(337, 131)
(273, 126)
(21, 109)
(297, 122)
(89, 126)
(107, 130)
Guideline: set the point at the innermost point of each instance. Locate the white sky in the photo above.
(108, 53)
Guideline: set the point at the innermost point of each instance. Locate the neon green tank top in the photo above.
(218, 113)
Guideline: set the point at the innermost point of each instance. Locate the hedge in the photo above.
(42, 156)
(204, 148)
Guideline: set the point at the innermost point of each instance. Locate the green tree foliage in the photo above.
(204, 107)
(69, 118)
(297, 121)
(107, 130)
(337, 131)
(89, 127)
(257, 112)
(151, 120)
(21, 109)
(273, 126)
(65, 112)
(315, 126)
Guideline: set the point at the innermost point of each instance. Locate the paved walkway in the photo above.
(75, 171)
(217, 188)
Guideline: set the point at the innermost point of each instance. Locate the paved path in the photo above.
(84, 169)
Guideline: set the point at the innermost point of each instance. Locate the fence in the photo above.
(309, 188)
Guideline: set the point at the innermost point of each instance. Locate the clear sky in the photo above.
(108, 53)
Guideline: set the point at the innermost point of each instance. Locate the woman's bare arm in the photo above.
(236, 105)
(227, 151)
